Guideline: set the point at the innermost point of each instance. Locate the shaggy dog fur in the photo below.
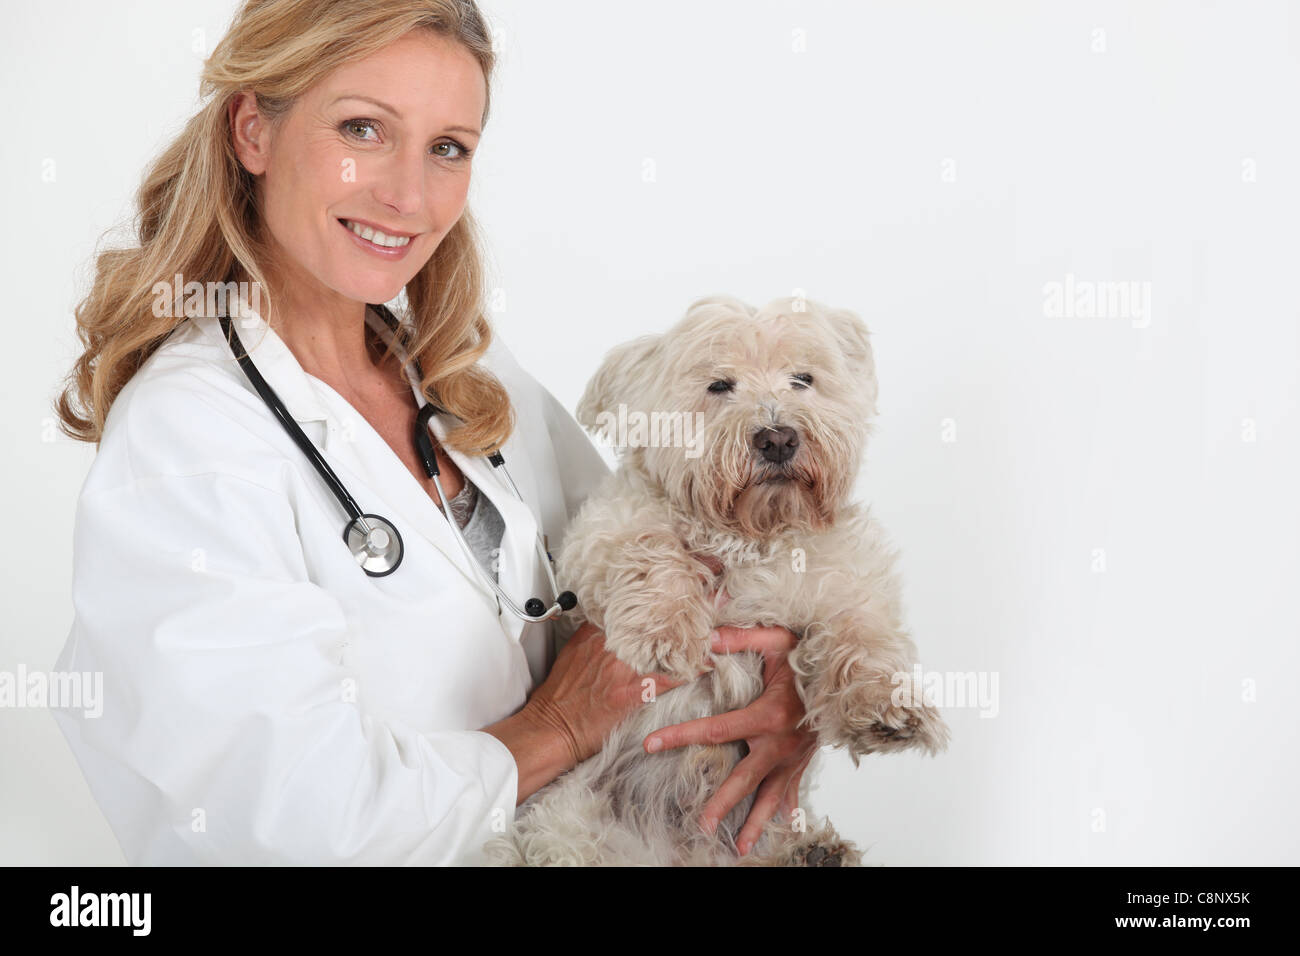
(786, 396)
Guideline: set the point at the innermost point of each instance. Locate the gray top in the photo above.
(480, 523)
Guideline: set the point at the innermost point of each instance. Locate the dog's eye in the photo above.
(802, 380)
(722, 385)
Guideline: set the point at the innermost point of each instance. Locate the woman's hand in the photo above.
(586, 694)
(589, 691)
(778, 751)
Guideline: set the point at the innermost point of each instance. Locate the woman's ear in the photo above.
(250, 133)
(616, 382)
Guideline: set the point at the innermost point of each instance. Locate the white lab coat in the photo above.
(266, 701)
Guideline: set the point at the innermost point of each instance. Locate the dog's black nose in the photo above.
(777, 445)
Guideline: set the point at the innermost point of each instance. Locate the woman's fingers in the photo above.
(790, 800)
(710, 561)
(772, 794)
(662, 683)
(665, 681)
(588, 690)
(778, 793)
(768, 640)
(773, 768)
(744, 779)
(724, 728)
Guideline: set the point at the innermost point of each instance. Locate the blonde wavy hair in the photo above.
(197, 217)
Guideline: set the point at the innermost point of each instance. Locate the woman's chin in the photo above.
(375, 292)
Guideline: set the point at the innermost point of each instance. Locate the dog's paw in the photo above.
(901, 728)
(672, 639)
(869, 715)
(679, 657)
(818, 854)
(670, 652)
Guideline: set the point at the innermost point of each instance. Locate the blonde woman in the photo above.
(287, 678)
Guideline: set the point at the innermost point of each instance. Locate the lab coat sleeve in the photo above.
(224, 696)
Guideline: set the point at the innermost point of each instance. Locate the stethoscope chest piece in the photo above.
(373, 540)
(375, 543)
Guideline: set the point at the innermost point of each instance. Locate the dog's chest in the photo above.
(763, 592)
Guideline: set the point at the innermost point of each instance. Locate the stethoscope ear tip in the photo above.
(536, 608)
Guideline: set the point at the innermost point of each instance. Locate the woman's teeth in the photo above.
(377, 237)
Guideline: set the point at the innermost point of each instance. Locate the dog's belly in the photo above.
(659, 797)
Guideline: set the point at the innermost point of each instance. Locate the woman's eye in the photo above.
(802, 380)
(722, 385)
(461, 151)
(368, 131)
(352, 127)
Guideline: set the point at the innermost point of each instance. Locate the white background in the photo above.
(931, 167)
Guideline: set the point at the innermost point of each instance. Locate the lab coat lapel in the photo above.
(357, 453)
(518, 564)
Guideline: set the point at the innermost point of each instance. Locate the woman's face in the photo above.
(381, 144)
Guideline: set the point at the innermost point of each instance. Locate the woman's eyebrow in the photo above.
(384, 106)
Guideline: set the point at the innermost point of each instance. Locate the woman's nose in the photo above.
(400, 182)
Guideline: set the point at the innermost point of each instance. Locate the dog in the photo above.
(744, 516)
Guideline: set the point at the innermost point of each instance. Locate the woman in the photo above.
(267, 699)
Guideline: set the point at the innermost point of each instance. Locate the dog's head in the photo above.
(754, 421)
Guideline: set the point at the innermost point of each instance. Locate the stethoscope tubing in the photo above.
(564, 600)
(535, 610)
(281, 413)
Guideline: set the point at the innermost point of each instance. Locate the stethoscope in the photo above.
(372, 539)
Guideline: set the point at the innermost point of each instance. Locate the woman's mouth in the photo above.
(372, 239)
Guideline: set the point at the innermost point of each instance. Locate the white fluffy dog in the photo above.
(757, 425)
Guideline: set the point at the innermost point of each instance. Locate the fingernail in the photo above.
(743, 847)
(653, 745)
(715, 639)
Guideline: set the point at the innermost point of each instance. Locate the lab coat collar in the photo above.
(520, 573)
(277, 364)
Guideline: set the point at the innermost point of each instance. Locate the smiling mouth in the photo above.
(370, 234)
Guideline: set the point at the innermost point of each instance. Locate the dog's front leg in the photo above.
(856, 680)
(650, 597)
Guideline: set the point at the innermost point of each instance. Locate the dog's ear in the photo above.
(855, 345)
(619, 380)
